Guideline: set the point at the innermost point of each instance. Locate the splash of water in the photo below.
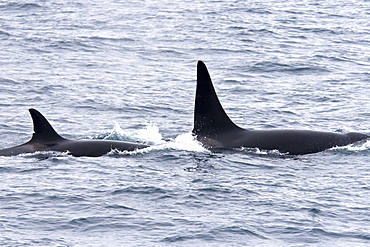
(355, 147)
(150, 134)
(185, 142)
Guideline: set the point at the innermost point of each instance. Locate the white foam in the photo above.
(150, 134)
(185, 142)
(261, 151)
(355, 147)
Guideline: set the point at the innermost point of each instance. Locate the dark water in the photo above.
(88, 64)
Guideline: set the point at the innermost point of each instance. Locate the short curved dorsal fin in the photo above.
(209, 116)
(43, 131)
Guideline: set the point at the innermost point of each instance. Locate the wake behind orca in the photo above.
(214, 129)
(45, 138)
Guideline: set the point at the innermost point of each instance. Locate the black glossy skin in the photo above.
(214, 129)
(46, 139)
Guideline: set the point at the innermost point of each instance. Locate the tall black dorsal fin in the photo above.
(209, 116)
(43, 131)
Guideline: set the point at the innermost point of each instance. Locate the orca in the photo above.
(45, 138)
(214, 129)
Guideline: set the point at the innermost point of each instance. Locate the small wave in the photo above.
(5, 169)
(320, 30)
(183, 238)
(355, 148)
(321, 232)
(5, 81)
(279, 67)
(2, 33)
(110, 38)
(236, 230)
(42, 155)
(140, 190)
(213, 235)
(86, 221)
(71, 45)
(18, 6)
(120, 207)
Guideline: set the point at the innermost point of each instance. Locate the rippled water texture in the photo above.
(126, 70)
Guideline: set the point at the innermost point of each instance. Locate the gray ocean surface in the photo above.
(126, 70)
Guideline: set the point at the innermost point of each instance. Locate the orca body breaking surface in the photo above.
(214, 129)
(45, 138)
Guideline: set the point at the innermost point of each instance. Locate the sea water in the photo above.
(126, 70)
